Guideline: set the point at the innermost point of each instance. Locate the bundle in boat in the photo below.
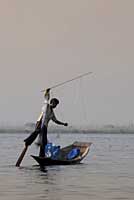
(72, 154)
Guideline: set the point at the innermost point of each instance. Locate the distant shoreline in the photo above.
(61, 130)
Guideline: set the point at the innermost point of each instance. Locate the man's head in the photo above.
(54, 102)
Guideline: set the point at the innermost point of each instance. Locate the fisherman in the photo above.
(46, 115)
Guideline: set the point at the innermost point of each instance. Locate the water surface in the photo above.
(107, 173)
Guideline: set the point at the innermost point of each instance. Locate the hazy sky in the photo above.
(44, 42)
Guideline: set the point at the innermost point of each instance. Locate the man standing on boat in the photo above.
(46, 115)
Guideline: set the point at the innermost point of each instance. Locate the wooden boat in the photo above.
(84, 148)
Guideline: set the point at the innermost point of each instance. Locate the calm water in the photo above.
(107, 173)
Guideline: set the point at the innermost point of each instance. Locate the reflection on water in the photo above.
(105, 174)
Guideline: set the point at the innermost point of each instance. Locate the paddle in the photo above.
(21, 156)
(29, 141)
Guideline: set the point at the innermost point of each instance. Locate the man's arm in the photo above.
(58, 122)
(44, 108)
(46, 100)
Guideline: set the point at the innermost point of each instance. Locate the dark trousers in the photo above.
(30, 139)
(43, 136)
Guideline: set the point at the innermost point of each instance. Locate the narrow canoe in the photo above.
(84, 148)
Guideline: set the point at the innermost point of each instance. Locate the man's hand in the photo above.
(48, 90)
(65, 124)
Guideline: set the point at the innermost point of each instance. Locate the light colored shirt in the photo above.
(47, 116)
